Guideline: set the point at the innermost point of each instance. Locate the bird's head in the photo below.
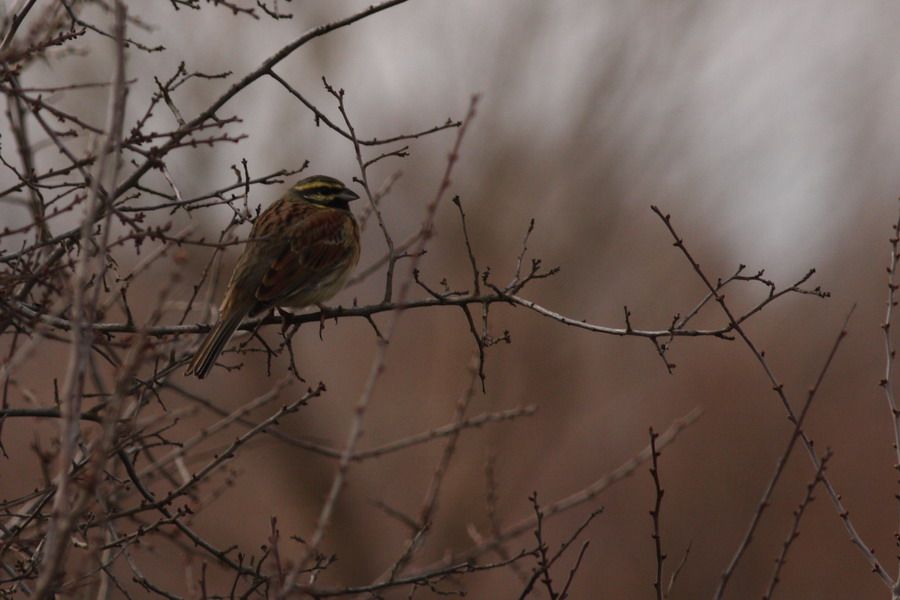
(324, 190)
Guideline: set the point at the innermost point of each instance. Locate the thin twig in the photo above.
(795, 526)
(778, 388)
(654, 515)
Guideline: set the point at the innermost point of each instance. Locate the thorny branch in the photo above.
(655, 515)
(120, 473)
(778, 388)
(795, 526)
(782, 463)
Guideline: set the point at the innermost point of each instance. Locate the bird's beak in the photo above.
(347, 195)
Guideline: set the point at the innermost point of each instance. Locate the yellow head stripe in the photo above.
(319, 184)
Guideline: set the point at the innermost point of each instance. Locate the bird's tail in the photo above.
(212, 346)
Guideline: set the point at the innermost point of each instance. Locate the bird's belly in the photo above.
(319, 293)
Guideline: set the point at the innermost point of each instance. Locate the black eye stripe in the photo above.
(319, 190)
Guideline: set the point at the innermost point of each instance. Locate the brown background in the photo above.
(767, 129)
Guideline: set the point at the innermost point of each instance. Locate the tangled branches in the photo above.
(121, 477)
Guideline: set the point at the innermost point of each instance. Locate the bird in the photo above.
(301, 252)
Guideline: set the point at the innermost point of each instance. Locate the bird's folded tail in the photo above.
(212, 346)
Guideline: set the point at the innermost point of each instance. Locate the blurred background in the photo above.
(767, 129)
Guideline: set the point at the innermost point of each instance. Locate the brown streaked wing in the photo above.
(322, 248)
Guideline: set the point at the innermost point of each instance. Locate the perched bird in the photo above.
(301, 251)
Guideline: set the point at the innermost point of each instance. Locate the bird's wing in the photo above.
(323, 247)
